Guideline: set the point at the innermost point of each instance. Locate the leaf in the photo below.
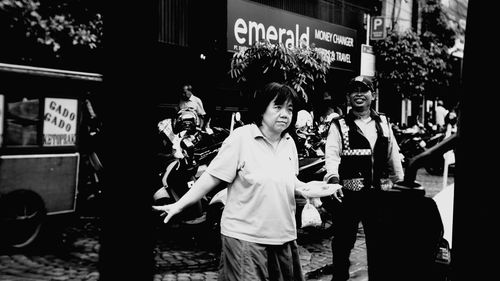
(302, 67)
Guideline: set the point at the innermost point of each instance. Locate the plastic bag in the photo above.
(310, 216)
(316, 202)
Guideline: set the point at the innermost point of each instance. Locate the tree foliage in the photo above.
(401, 63)
(435, 27)
(410, 64)
(51, 33)
(302, 67)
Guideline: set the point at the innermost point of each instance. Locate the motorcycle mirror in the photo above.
(208, 130)
(161, 193)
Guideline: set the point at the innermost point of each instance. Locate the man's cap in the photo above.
(363, 80)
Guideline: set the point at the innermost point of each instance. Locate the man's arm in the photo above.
(202, 122)
(395, 165)
(201, 112)
(332, 154)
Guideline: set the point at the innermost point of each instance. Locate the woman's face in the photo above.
(277, 117)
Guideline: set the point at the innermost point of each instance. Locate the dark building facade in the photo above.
(196, 40)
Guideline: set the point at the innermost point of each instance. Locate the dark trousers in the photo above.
(247, 261)
(402, 232)
(356, 207)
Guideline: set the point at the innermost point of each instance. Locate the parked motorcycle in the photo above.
(187, 150)
(89, 197)
(311, 143)
(192, 149)
(430, 252)
(415, 140)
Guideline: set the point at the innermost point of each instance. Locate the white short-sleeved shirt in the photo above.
(194, 103)
(260, 205)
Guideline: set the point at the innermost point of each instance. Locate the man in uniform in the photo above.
(363, 156)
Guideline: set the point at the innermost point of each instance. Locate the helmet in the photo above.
(304, 120)
(187, 119)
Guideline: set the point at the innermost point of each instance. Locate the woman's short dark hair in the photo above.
(263, 97)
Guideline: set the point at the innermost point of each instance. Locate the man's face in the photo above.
(186, 93)
(360, 96)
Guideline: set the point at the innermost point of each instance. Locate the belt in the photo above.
(357, 184)
(353, 184)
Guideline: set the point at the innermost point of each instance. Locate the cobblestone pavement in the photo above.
(181, 254)
(74, 260)
(192, 258)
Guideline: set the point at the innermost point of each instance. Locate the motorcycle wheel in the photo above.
(214, 215)
(89, 196)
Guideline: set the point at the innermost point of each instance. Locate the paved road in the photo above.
(180, 255)
(190, 257)
(70, 255)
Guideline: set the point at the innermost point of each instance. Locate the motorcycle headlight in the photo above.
(422, 143)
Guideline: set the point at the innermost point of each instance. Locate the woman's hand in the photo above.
(202, 186)
(169, 210)
(315, 189)
(338, 194)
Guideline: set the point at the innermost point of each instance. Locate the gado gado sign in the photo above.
(249, 22)
(59, 125)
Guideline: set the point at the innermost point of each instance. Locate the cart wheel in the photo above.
(21, 216)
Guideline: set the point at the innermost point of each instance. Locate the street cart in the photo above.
(40, 127)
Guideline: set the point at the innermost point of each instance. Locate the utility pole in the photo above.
(367, 41)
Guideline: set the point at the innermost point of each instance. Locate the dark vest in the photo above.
(358, 161)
